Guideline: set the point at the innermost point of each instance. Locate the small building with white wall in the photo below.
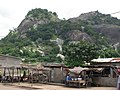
(10, 61)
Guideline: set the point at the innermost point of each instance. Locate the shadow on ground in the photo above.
(24, 87)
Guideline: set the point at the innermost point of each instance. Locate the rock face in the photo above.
(35, 18)
(71, 29)
(28, 23)
(112, 32)
(103, 24)
(100, 23)
(84, 16)
(77, 35)
(40, 26)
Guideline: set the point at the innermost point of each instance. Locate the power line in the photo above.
(115, 12)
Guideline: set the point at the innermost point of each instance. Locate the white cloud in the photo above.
(12, 12)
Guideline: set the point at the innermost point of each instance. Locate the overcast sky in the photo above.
(12, 12)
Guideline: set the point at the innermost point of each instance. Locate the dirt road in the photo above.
(25, 86)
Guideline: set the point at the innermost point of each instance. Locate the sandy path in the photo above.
(25, 86)
(5, 87)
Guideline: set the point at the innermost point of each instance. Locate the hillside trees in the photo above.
(108, 52)
(77, 53)
(47, 26)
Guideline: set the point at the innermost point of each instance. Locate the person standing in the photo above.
(118, 82)
(68, 77)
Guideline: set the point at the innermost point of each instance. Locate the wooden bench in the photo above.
(79, 83)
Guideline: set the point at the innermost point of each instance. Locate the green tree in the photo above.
(77, 53)
(108, 52)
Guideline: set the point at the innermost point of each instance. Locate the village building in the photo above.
(57, 74)
(54, 72)
(9, 66)
(107, 71)
(10, 61)
(100, 72)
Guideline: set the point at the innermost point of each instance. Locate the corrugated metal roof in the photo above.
(106, 60)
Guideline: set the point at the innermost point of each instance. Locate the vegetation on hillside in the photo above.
(36, 46)
(42, 14)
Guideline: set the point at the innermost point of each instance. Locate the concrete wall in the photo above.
(6, 61)
(105, 81)
(57, 75)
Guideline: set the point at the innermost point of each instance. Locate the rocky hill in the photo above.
(35, 18)
(104, 25)
(32, 38)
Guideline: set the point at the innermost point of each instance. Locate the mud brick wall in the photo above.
(105, 81)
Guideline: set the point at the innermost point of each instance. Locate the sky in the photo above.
(12, 12)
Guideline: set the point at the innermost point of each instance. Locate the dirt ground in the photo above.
(25, 86)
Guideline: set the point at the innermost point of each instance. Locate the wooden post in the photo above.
(28, 80)
(20, 74)
(111, 72)
(32, 78)
(9, 73)
(3, 76)
(17, 75)
(12, 74)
